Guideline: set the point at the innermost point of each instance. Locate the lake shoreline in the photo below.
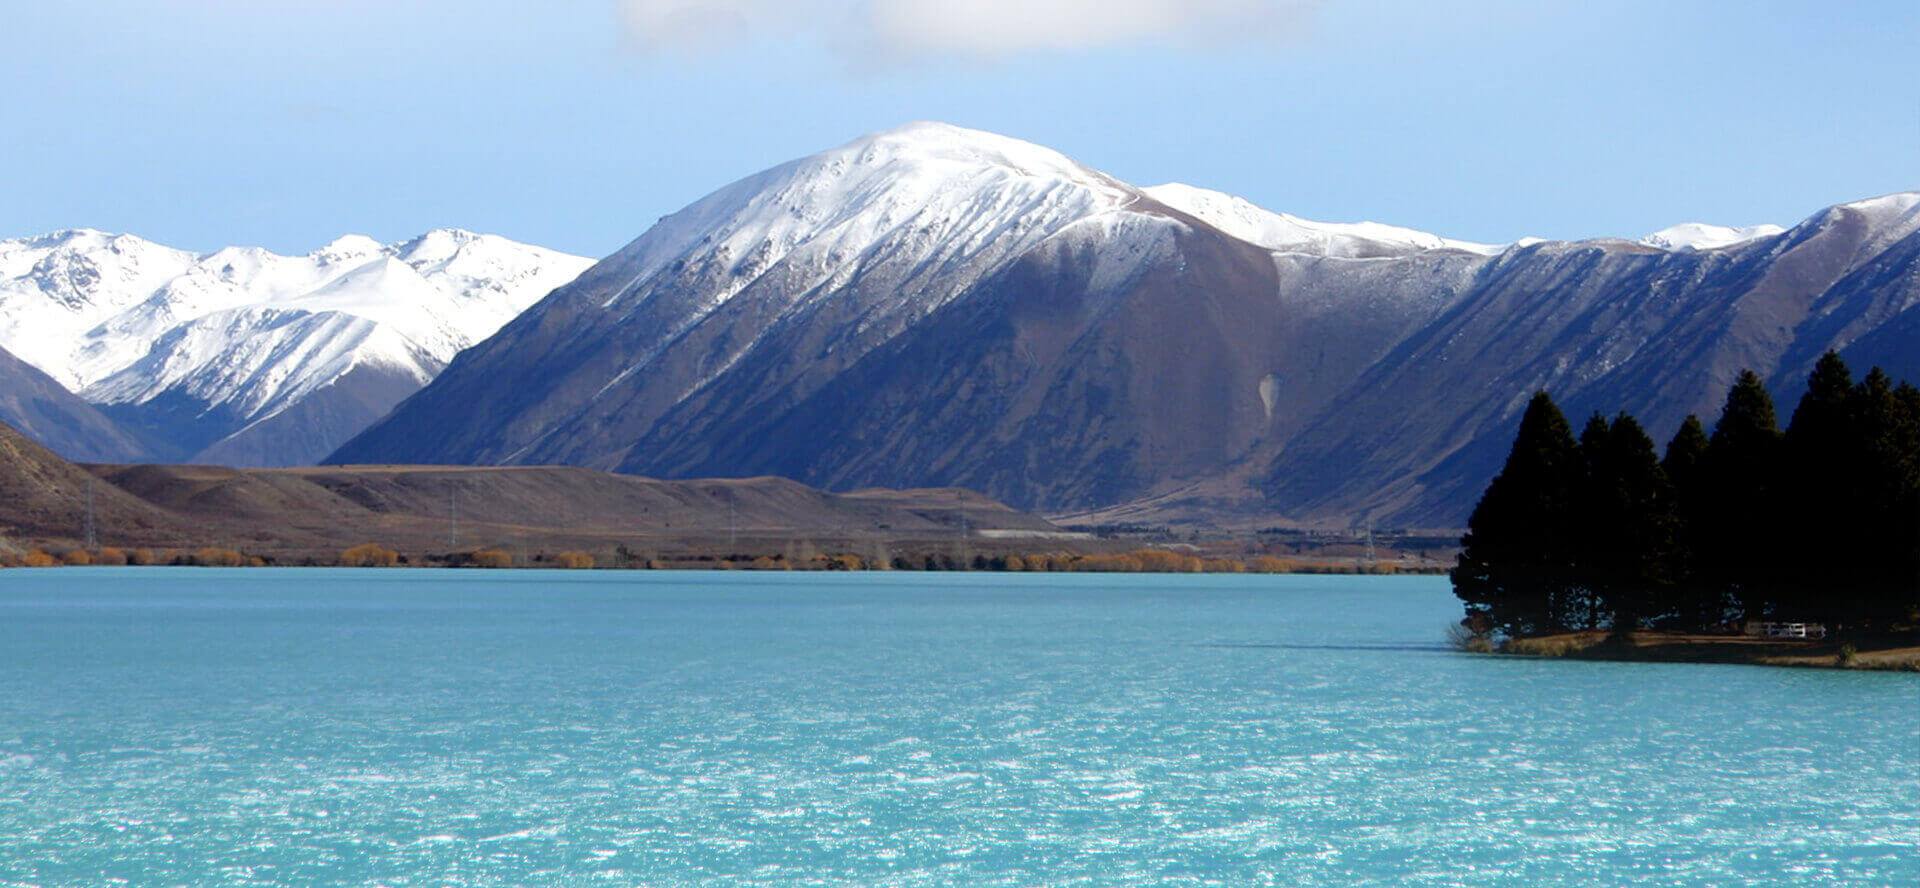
(1188, 560)
(1886, 654)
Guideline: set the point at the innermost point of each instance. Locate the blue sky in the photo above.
(577, 123)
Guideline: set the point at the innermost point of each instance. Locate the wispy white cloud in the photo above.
(996, 27)
(694, 25)
(892, 30)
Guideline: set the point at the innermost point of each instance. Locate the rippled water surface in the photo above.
(428, 728)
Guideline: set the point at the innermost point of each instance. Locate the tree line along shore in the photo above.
(1602, 546)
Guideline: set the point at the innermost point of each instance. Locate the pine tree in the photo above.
(1686, 452)
(1743, 464)
(1902, 600)
(1823, 476)
(1887, 475)
(1698, 603)
(1592, 544)
(1631, 525)
(1575, 533)
(1516, 560)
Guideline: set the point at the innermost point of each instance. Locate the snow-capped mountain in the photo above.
(936, 306)
(1285, 233)
(203, 354)
(1701, 236)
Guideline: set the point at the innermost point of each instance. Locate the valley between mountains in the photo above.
(936, 307)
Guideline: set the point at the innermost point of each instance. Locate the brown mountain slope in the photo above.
(45, 497)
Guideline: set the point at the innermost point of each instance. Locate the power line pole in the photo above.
(962, 553)
(93, 541)
(453, 517)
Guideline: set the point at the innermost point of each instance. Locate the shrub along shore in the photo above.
(1887, 653)
(1145, 560)
(1601, 547)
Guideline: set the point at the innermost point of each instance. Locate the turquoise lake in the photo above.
(206, 727)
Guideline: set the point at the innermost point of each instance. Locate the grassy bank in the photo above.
(1886, 653)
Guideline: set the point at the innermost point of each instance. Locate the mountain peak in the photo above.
(933, 140)
(915, 187)
(1702, 236)
(437, 245)
(68, 236)
(78, 240)
(1902, 208)
(933, 152)
(347, 246)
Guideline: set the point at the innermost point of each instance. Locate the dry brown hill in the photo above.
(295, 514)
(45, 497)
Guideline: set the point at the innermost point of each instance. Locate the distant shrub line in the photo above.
(1818, 523)
(114, 557)
(374, 555)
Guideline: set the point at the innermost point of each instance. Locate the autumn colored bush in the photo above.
(492, 559)
(574, 561)
(369, 555)
(37, 558)
(76, 558)
(213, 556)
(1052, 563)
(846, 562)
(1162, 561)
(1107, 564)
(1267, 564)
(111, 556)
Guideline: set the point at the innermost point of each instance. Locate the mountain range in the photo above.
(246, 357)
(940, 306)
(934, 306)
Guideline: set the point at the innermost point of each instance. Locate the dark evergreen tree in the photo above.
(1630, 525)
(1686, 453)
(1697, 603)
(1515, 569)
(1820, 523)
(1584, 607)
(1902, 603)
(1880, 586)
(1822, 478)
(1740, 538)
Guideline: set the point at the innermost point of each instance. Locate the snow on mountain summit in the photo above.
(966, 195)
(1701, 236)
(1286, 233)
(347, 247)
(963, 202)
